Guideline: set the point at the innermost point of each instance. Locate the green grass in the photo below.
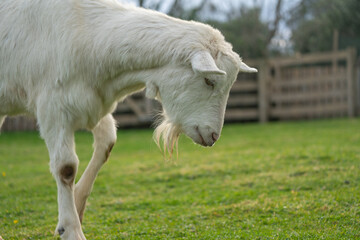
(276, 181)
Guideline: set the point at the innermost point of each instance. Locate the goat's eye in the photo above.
(209, 83)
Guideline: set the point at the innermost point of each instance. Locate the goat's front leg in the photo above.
(63, 165)
(104, 139)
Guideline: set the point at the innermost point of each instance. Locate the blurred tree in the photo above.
(244, 28)
(314, 21)
(249, 34)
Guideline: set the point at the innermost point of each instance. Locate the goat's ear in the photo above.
(151, 90)
(246, 68)
(202, 62)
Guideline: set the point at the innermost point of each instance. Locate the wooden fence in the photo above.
(310, 86)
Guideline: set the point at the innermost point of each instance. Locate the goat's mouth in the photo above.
(207, 141)
(202, 141)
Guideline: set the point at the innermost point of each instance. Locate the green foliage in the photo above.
(246, 32)
(275, 181)
(313, 23)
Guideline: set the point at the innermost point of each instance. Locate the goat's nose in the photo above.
(215, 136)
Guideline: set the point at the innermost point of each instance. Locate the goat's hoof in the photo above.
(71, 233)
(61, 231)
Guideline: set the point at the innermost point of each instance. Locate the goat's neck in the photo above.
(134, 39)
(127, 83)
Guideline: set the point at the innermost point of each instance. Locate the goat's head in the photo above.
(194, 97)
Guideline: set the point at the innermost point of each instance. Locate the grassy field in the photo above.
(276, 181)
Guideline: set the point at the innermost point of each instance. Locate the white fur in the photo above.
(68, 63)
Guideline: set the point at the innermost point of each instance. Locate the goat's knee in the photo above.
(64, 169)
(67, 174)
(108, 151)
(105, 136)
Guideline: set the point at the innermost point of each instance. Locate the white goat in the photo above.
(69, 62)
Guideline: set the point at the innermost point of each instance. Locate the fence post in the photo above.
(149, 107)
(357, 74)
(263, 90)
(350, 75)
(335, 50)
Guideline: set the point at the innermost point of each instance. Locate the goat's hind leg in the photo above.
(104, 139)
(2, 119)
